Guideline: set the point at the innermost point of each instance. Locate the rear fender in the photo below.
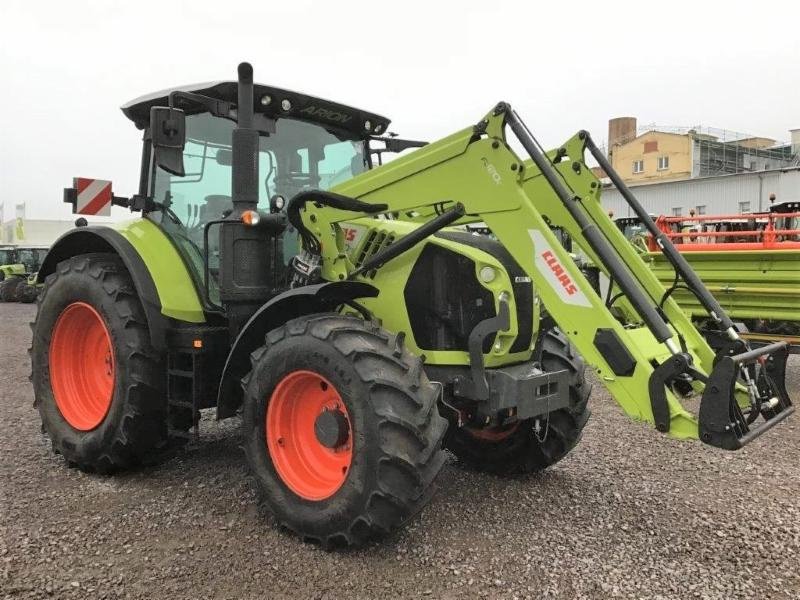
(306, 300)
(85, 240)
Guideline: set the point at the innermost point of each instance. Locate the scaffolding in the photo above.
(721, 151)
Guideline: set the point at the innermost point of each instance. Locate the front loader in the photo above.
(341, 309)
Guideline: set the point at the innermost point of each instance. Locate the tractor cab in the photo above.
(7, 255)
(304, 143)
(31, 258)
(629, 226)
(788, 219)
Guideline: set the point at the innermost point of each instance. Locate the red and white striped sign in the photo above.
(94, 196)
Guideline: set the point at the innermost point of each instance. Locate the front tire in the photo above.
(330, 392)
(98, 383)
(519, 448)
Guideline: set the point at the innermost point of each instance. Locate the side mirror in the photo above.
(168, 136)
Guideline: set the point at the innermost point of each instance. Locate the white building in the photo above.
(724, 194)
(33, 232)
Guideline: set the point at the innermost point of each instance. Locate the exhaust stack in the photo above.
(246, 253)
(244, 185)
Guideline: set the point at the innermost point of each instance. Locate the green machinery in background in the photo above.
(390, 333)
(18, 268)
(750, 262)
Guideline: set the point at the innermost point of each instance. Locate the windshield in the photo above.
(7, 256)
(30, 257)
(298, 156)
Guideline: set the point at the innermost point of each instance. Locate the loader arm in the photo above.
(643, 345)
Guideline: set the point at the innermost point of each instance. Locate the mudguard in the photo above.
(306, 300)
(180, 303)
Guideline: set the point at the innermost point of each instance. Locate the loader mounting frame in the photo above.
(647, 342)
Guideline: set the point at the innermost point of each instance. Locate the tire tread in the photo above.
(411, 429)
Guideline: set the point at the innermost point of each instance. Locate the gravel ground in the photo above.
(629, 514)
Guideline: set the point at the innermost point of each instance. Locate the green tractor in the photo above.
(18, 268)
(7, 259)
(341, 309)
(10, 271)
(751, 262)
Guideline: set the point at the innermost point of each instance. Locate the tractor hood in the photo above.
(273, 102)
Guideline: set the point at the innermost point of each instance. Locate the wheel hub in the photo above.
(309, 433)
(331, 428)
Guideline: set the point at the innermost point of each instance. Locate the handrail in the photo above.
(741, 216)
(751, 233)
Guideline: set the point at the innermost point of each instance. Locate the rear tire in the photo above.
(28, 293)
(390, 425)
(8, 290)
(518, 449)
(99, 422)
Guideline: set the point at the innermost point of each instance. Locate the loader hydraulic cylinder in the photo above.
(411, 240)
(643, 305)
(675, 258)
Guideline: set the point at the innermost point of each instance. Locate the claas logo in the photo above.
(559, 272)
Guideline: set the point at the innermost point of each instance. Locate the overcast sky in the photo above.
(432, 67)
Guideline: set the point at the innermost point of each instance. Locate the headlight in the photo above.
(487, 274)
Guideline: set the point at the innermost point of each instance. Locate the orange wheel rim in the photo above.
(82, 366)
(309, 435)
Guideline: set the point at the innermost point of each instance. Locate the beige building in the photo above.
(658, 155)
(654, 156)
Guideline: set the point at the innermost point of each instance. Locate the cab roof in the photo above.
(785, 206)
(269, 101)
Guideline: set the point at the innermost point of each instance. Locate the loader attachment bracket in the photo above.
(722, 422)
(662, 375)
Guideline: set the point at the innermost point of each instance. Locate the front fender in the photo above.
(306, 300)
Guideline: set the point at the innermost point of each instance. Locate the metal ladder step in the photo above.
(181, 402)
(181, 373)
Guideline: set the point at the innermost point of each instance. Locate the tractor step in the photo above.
(194, 362)
(185, 435)
(182, 373)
